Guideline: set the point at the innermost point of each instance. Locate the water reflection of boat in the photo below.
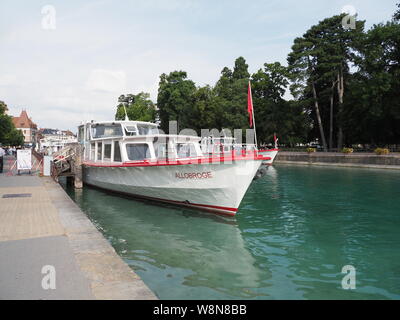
(197, 250)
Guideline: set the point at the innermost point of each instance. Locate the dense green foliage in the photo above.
(224, 105)
(273, 113)
(9, 136)
(372, 109)
(396, 15)
(344, 82)
(139, 107)
(176, 99)
(319, 68)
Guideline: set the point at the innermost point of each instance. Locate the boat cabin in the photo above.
(134, 141)
(220, 145)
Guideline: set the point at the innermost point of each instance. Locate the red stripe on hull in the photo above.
(268, 150)
(148, 163)
(203, 207)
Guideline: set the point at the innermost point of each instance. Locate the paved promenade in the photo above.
(41, 226)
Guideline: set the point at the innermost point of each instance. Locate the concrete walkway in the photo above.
(44, 227)
(337, 159)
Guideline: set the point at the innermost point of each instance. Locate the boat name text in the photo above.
(193, 175)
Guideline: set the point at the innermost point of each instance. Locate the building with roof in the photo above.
(27, 126)
(52, 140)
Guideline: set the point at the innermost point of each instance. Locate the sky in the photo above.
(68, 61)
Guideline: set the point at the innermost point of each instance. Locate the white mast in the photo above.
(126, 115)
(254, 121)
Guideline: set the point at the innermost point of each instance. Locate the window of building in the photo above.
(137, 152)
(117, 152)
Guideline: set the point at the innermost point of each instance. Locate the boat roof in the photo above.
(179, 138)
(129, 122)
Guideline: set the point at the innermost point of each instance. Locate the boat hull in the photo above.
(269, 153)
(215, 187)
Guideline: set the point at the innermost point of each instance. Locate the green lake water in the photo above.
(296, 228)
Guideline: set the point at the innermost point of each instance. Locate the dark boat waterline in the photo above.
(229, 212)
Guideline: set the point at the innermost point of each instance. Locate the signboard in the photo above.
(47, 165)
(24, 159)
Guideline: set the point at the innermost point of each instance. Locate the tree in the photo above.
(9, 135)
(139, 107)
(14, 138)
(319, 63)
(175, 100)
(207, 109)
(373, 111)
(3, 107)
(303, 68)
(271, 82)
(6, 125)
(231, 95)
(396, 16)
(273, 113)
(240, 71)
(224, 106)
(347, 80)
(223, 87)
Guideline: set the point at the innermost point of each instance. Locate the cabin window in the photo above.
(130, 130)
(117, 152)
(107, 152)
(106, 130)
(138, 151)
(81, 134)
(161, 150)
(92, 151)
(146, 130)
(143, 130)
(186, 150)
(99, 148)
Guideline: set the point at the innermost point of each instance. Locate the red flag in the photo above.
(250, 105)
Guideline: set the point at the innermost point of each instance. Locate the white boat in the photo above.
(217, 145)
(133, 158)
(271, 153)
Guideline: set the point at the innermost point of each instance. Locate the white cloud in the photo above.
(101, 49)
(107, 81)
(8, 79)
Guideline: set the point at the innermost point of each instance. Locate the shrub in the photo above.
(381, 151)
(347, 150)
(309, 150)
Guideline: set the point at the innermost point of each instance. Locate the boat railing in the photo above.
(221, 148)
(64, 154)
